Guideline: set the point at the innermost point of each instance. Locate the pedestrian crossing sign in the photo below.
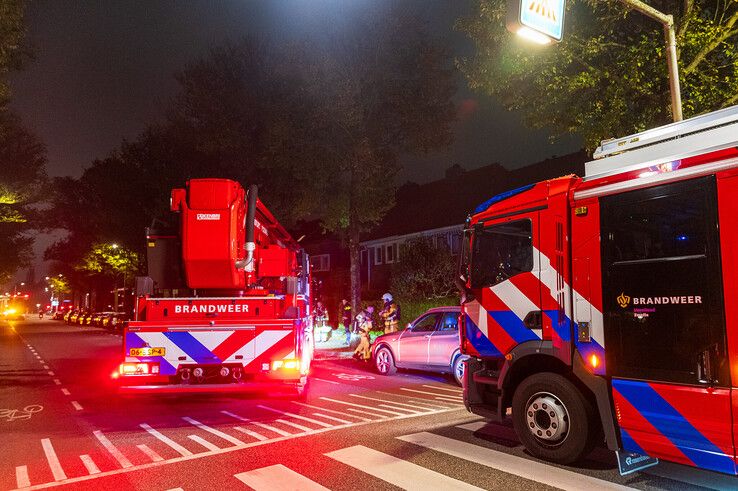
(543, 17)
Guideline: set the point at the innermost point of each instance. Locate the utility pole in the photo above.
(671, 53)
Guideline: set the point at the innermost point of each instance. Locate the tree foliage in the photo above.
(424, 272)
(110, 260)
(22, 188)
(608, 77)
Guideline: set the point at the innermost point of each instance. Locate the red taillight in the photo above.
(138, 368)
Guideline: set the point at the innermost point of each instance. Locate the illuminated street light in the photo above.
(47, 278)
(114, 246)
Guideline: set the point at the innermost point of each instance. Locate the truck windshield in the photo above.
(500, 252)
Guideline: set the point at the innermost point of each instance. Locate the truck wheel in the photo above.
(385, 362)
(553, 419)
(457, 369)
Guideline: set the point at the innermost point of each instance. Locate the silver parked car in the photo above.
(430, 342)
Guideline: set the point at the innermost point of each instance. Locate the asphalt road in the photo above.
(63, 425)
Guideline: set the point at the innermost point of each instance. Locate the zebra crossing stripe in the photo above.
(325, 410)
(250, 433)
(371, 408)
(51, 457)
(117, 455)
(332, 418)
(449, 389)
(518, 466)
(89, 464)
(155, 457)
(294, 425)
(297, 416)
(393, 404)
(401, 473)
(452, 398)
(278, 478)
(21, 477)
(210, 446)
(272, 428)
(165, 439)
(224, 436)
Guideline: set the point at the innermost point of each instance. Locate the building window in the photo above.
(321, 262)
(390, 253)
(455, 242)
(378, 255)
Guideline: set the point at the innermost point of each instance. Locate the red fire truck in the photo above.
(227, 301)
(604, 307)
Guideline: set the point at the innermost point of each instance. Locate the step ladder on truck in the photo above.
(603, 308)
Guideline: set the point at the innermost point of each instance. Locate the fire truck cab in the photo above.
(603, 307)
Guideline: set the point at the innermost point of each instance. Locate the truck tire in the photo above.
(384, 361)
(552, 419)
(301, 390)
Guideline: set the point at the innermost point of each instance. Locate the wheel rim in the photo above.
(459, 369)
(383, 361)
(547, 419)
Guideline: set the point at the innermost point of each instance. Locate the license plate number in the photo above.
(147, 351)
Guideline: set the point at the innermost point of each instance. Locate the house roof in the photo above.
(450, 200)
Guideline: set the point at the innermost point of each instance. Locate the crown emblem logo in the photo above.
(623, 300)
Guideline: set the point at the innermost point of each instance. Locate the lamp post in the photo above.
(671, 53)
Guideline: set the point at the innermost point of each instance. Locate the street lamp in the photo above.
(543, 21)
(114, 246)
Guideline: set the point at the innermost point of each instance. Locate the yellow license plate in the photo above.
(147, 351)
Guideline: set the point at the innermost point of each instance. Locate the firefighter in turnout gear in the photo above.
(345, 316)
(363, 323)
(390, 313)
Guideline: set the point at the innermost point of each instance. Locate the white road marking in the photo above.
(449, 389)
(216, 432)
(51, 374)
(175, 489)
(272, 428)
(297, 416)
(250, 433)
(413, 411)
(416, 399)
(445, 399)
(21, 477)
(77, 405)
(117, 455)
(65, 391)
(332, 418)
(334, 412)
(361, 411)
(197, 456)
(327, 381)
(362, 406)
(401, 473)
(233, 415)
(57, 381)
(434, 404)
(155, 457)
(294, 425)
(165, 439)
(54, 464)
(277, 478)
(210, 446)
(46, 367)
(415, 407)
(90, 465)
(430, 393)
(518, 466)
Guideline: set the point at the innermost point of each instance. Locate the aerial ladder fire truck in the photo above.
(226, 305)
(604, 308)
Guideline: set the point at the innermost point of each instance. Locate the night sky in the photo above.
(104, 71)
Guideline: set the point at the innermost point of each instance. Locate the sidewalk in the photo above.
(335, 347)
